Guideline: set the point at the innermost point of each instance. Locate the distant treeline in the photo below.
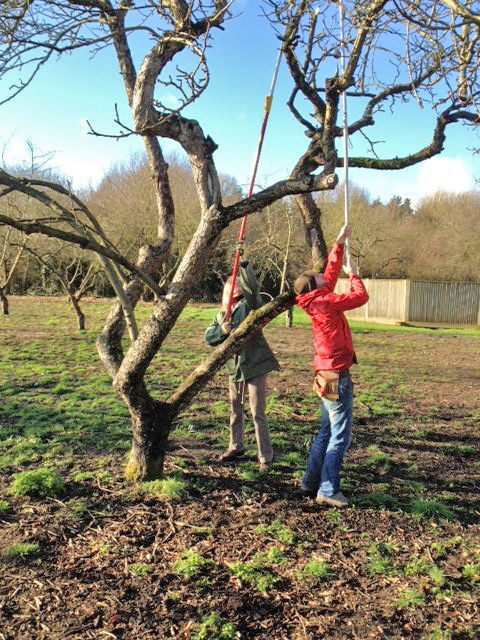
(439, 240)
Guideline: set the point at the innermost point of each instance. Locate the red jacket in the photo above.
(332, 339)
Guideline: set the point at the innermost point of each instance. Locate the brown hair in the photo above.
(305, 282)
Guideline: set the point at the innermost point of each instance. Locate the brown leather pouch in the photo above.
(325, 384)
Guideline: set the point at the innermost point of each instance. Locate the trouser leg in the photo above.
(257, 391)
(237, 429)
(311, 478)
(340, 418)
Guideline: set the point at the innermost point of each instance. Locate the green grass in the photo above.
(190, 564)
(277, 530)
(410, 598)
(140, 569)
(316, 571)
(39, 483)
(214, 627)
(254, 573)
(169, 488)
(24, 550)
(437, 633)
(60, 414)
(380, 561)
(378, 500)
(431, 509)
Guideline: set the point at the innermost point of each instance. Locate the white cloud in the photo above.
(454, 175)
(169, 99)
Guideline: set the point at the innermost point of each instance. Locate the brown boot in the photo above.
(230, 455)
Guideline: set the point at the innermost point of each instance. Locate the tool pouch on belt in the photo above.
(325, 384)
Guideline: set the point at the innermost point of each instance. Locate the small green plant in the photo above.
(294, 458)
(83, 476)
(417, 567)
(190, 564)
(77, 507)
(420, 433)
(378, 458)
(380, 558)
(278, 531)
(471, 572)
(102, 547)
(171, 488)
(214, 627)
(437, 576)
(437, 633)
(41, 483)
(315, 570)
(409, 599)
(23, 549)
(141, 569)
(4, 506)
(248, 475)
(173, 596)
(431, 509)
(335, 517)
(272, 556)
(378, 500)
(253, 573)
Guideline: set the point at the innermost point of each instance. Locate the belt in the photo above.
(342, 373)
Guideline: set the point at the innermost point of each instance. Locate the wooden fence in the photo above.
(416, 301)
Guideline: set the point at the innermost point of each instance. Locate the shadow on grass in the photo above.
(31, 431)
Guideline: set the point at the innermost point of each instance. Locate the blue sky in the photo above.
(52, 114)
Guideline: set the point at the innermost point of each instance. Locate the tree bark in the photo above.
(78, 311)
(311, 216)
(4, 302)
(151, 424)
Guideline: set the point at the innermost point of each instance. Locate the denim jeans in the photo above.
(331, 442)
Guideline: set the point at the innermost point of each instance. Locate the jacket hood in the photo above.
(304, 299)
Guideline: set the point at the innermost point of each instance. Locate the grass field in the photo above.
(215, 551)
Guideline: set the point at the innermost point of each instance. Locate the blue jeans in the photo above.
(331, 442)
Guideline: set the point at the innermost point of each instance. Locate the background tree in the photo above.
(447, 238)
(9, 260)
(395, 52)
(76, 276)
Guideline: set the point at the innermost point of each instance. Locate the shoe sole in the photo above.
(231, 458)
(331, 503)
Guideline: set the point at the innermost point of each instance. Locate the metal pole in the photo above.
(241, 234)
(345, 125)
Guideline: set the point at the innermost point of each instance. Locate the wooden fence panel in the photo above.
(444, 302)
(387, 303)
(396, 301)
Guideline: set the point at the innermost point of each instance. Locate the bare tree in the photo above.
(392, 52)
(8, 268)
(428, 47)
(75, 275)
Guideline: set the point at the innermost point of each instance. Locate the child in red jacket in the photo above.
(334, 355)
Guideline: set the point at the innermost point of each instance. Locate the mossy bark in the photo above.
(150, 429)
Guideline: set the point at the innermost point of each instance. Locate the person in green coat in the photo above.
(247, 369)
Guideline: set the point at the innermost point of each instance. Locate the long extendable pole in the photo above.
(241, 234)
(345, 125)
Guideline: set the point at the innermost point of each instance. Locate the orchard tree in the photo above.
(395, 51)
(9, 259)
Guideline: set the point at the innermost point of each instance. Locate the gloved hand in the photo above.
(225, 328)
